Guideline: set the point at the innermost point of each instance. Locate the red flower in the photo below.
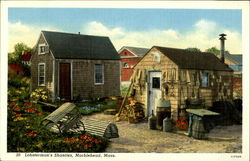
(89, 138)
(32, 133)
(39, 113)
(18, 115)
(83, 137)
(184, 127)
(12, 104)
(30, 110)
(85, 146)
(28, 104)
(69, 140)
(16, 108)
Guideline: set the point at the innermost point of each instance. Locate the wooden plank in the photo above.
(59, 113)
(201, 112)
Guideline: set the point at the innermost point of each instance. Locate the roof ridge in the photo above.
(59, 32)
(135, 47)
(183, 50)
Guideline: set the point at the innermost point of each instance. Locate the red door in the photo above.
(64, 81)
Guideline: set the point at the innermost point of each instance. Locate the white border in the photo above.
(244, 5)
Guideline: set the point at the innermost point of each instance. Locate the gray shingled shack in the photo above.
(75, 66)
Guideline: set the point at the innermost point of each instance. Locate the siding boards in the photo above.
(186, 84)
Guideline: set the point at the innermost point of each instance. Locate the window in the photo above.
(205, 79)
(99, 75)
(156, 82)
(125, 65)
(41, 74)
(41, 49)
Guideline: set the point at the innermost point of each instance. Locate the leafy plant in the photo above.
(39, 95)
(18, 89)
(25, 134)
(181, 124)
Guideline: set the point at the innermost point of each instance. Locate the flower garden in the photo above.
(24, 116)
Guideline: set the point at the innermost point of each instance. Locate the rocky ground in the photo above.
(136, 138)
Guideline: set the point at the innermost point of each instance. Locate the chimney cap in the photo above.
(222, 36)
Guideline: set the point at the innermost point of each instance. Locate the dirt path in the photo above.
(137, 138)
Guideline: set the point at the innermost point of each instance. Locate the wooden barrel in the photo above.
(198, 130)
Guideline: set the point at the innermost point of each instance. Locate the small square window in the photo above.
(156, 82)
(42, 49)
(125, 65)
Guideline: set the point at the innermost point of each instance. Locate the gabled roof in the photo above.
(77, 46)
(237, 58)
(139, 52)
(186, 59)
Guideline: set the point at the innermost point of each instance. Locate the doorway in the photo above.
(154, 91)
(65, 81)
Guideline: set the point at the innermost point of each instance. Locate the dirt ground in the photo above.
(137, 138)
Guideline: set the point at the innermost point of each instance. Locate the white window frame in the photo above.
(39, 49)
(125, 65)
(102, 75)
(39, 74)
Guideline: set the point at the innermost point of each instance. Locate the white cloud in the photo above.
(203, 35)
(27, 34)
(97, 28)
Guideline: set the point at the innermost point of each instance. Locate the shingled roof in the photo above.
(78, 46)
(186, 59)
(140, 52)
(237, 58)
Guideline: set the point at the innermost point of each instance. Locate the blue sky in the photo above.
(134, 27)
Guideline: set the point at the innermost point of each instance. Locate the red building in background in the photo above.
(130, 56)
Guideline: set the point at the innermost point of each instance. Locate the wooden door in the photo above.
(64, 81)
(154, 91)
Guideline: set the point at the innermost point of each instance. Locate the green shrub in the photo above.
(18, 89)
(24, 133)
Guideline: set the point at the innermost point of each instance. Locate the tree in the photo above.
(215, 51)
(19, 48)
(193, 49)
(14, 57)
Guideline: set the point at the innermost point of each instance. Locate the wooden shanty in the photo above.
(182, 77)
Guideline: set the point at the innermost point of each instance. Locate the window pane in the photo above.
(98, 73)
(156, 82)
(42, 49)
(205, 79)
(41, 74)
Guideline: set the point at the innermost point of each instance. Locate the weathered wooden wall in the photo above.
(82, 75)
(83, 78)
(181, 83)
(46, 58)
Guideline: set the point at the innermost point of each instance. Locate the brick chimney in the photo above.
(222, 47)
